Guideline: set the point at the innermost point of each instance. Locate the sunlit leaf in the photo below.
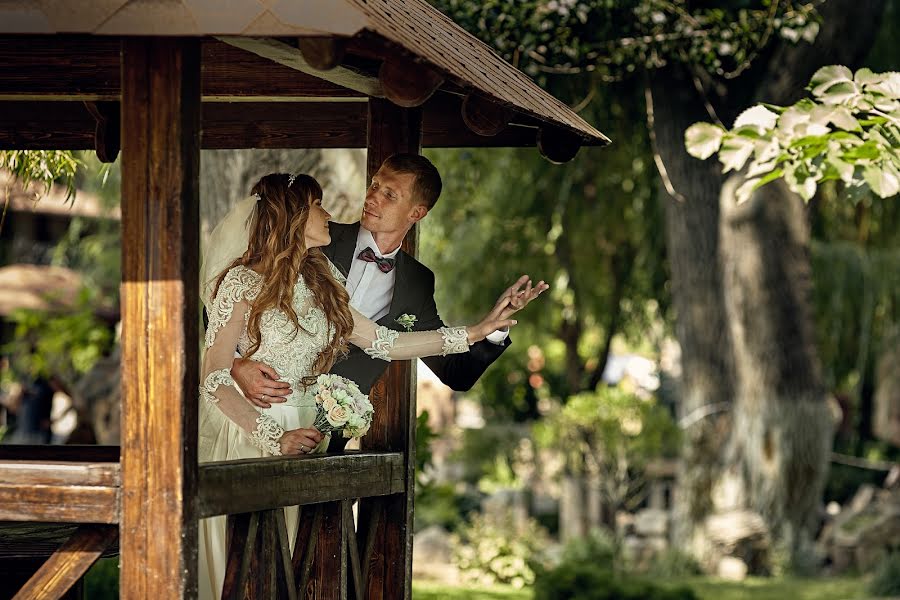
(703, 140)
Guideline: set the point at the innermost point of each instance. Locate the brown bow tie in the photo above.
(385, 265)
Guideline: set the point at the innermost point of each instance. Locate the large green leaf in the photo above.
(826, 77)
(734, 153)
(702, 140)
(883, 179)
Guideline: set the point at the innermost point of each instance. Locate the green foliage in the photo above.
(41, 166)
(610, 434)
(442, 504)
(436, 503)
(599, 548)
(63, 346)
(102, 580)
(886, 581)
(584, 581)
(489, 455)
(593, 230)
(499, 548)
(424, 436)
(612, 39)
(673, 563)
(849, 131)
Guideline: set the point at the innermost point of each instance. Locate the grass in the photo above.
(754, 588)
(785, 588)
(425, 590)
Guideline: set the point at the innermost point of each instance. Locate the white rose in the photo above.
(337, 416)
(323, 396)
(329, 403)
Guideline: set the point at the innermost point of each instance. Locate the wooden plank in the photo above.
(17, 572)
(310, 519)
(328, 577)
(59, 473)
(281, 125)
(356, 576)
(160, 225)
(68, 125)
(391, 130)
(242, 530)
(258, 484)
(30, 540)
(71, 67)
(69, 563)
(235, 75)
(291, 56)
(285, 567)
(59, 503)
(88, 68)
(77, 453)
(264, 562)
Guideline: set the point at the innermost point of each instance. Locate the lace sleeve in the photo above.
(386, 344)
(227, 321)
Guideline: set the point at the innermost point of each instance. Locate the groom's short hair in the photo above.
(427, 186)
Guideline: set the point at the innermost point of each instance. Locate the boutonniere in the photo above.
(407, 321)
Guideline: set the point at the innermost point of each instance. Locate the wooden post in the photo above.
(389, 562)
(160, 225)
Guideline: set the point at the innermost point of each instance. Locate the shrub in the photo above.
(886, 581)
(599, 549)
(499, 548)
(582, 581)
(674, 563)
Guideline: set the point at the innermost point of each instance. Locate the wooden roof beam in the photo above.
(408, 83)
(69, 126)
(40, 68)
(293, 57)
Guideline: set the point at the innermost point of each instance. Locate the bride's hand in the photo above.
(491, 322)
(300, 441)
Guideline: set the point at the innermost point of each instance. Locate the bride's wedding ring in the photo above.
(302, 448)
(263, 396)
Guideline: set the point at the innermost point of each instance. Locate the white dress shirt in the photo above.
(371, 290)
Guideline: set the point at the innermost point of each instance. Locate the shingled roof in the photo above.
(413, 25)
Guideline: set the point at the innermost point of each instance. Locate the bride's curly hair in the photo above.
(277, 250)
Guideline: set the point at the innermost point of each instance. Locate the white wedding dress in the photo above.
(231, 428)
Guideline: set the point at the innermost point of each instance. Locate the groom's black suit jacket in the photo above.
(414, 295)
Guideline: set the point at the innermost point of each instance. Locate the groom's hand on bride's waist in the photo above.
(259, 382)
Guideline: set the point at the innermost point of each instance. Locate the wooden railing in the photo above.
(42, 487)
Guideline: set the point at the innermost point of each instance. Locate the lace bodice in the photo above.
(292, 352)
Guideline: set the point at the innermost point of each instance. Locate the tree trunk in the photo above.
(780, 442)
(692, 238)
(746, 337)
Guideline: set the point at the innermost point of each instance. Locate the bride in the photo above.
(283, 303)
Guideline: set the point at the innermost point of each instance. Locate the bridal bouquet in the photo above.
(341, 406)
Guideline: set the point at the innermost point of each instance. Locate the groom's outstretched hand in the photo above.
(259, 382)
(519, 295)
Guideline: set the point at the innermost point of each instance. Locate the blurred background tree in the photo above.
(739, 295)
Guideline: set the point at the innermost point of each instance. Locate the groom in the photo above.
(388, 285)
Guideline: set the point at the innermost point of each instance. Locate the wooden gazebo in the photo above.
(161, 79)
